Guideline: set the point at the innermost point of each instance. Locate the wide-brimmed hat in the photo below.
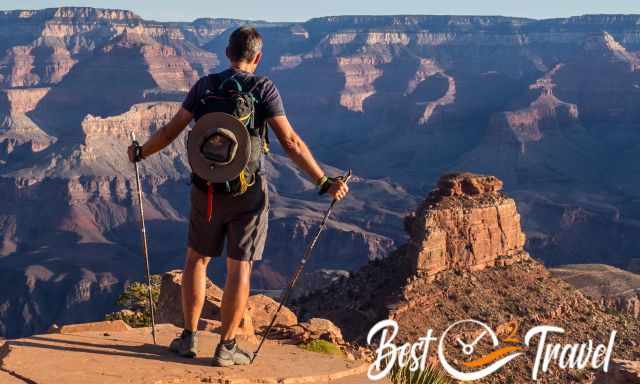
(218, 147)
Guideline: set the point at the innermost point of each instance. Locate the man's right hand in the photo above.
(336, 187)
(135, 152)
(162, 137)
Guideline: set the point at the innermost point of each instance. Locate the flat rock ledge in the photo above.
(129, 356)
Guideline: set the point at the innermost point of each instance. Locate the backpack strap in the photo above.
(213, 81)
(231, 78)
(257, 81)
(264, 131)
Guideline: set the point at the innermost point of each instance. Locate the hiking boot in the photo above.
(224, 357)
(186, 345)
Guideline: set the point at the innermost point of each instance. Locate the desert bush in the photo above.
(429, 375)
(134, 303)
(322, 346)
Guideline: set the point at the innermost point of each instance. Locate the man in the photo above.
(240, 219)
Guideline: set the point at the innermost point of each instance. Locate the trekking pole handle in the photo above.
(345, 179)
(347, 176)
(137, 156)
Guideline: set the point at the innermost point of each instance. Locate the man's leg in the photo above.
(236, 294)
(194, 285)
(194, 280)
(246, 235)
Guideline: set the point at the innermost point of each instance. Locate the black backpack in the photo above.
(234, 95)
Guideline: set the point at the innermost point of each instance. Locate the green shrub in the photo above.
(430, 375)
(322, 346)
(134, 303)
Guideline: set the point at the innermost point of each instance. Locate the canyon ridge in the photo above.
(547, 106)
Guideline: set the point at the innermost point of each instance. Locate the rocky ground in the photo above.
(117, 356)
(526, 293)
(113, 352)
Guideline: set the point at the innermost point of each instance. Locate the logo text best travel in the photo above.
(565, 356)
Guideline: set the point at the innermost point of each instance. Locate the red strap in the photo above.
(210, 202)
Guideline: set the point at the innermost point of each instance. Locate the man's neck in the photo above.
(244, 67)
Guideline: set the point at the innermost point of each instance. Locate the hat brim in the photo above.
(204, 128)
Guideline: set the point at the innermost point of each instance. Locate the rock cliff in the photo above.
(612, 288)
(465, 224)
(19, 135)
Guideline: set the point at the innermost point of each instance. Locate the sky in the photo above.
(300, 10)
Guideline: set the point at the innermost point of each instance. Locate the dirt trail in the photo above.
(130, 357)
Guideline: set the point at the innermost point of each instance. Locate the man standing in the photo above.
(240, 218)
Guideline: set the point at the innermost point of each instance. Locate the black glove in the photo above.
(137, 152)
(327, 182)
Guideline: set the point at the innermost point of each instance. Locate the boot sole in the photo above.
(222, 363)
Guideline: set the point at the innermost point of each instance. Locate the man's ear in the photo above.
(258, 58)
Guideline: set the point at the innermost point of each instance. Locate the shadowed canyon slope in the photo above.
(548, 106)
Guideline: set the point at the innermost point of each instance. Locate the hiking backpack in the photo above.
(234, 96)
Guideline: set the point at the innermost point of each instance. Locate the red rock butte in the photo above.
(466, 223)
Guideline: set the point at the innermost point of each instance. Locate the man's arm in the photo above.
(295, 148)
(298, 151)
(165, 135)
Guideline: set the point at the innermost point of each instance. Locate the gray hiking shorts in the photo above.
(241, 220)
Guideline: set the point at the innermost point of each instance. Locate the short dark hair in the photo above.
(244, 43)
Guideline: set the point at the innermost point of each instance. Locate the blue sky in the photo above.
(298, 10)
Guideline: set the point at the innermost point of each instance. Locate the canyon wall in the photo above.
(548, 106)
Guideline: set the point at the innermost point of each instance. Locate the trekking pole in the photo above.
(145, 248)
(307, 253)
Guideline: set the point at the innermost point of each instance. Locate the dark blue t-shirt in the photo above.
(268, 101)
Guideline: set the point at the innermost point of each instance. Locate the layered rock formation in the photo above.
(19, 135)
(141, 120)
(465, 224)
(628, 304)
(612, 288)
(544, 114)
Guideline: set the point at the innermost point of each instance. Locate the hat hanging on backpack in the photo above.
(218, 147)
